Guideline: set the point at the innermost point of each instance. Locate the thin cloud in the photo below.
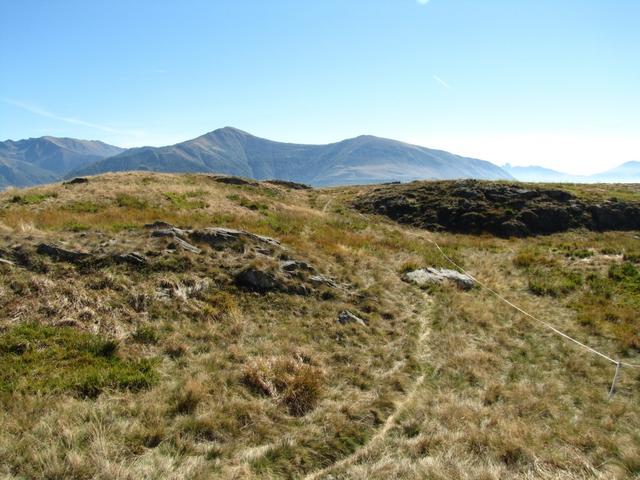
(72, 120)
(441, 82)
(423, 2)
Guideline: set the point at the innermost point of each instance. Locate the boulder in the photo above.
(76, 181)
(257, 280)
(230, 180)
(132, 258)
(429, 275)
(228, 237)
(345, 317)
(291, 185)
(61, 254)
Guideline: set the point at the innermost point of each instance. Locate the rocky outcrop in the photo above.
(346, 317)
(428, 276)
(502, 209)
(291, 185)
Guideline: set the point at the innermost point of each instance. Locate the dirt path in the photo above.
(422, 355)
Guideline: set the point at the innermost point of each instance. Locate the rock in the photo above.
(513, 228)
(61, 254)
(132, 258)
(159, 225)
(231, 180)
(288, 184)
(186, 245)
(76, 181)
(227, 237)
(257, 280)
(291, 266)
(345, 317)
(319, 280)
(501, 209)
(429, 275)
(177, 235)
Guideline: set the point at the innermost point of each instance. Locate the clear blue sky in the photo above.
(550, 82)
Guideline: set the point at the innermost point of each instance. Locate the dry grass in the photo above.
(444, 384)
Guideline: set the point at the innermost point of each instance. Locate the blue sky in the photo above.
(548, 82)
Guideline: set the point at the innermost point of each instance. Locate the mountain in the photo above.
(14, 173)
(534, 173)
(625, 173)
(360, 160)
(47, 159)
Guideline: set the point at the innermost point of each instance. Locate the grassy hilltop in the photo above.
(139, 339)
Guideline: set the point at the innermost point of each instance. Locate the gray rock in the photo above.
(429, 275)
(6, 262)
(231, 180)
(257, 280)
(159, 225)
(291, 266)
(76, 181)
(132, 258)
(322, 280)
(61, 254)
(345, 317)
(228, 237)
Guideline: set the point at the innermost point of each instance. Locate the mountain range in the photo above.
(628, 172)
(47, 159)
(361, 160)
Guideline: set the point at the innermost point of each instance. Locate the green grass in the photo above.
(32, 198)
(46, 359)
(185, 200)
(130, 201)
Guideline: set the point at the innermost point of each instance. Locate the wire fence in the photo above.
(618, 363)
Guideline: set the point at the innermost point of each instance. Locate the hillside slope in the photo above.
(184, 327)
(359, 160)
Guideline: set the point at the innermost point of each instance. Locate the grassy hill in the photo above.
(188, 326)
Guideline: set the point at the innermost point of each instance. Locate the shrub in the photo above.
(290, 381)
(145, 334)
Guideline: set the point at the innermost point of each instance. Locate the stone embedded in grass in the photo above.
(59, 253)
(345, 317)
(77, 181)
(258, 280)
(428, 276)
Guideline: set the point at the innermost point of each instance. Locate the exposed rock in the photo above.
(506, 210)
(231, 180)
(513, 228)
(291, 266)
(158, 225)
(257, 280)
(76, 181)
(132, 258)
(61, 254)
(429, 275)
(319, 280)
(288, 184)
(345, 317)
(183, 244)
(227, 237)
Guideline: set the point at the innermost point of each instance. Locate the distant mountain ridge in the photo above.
(628, 172)
(47, 159)
(360, 160)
